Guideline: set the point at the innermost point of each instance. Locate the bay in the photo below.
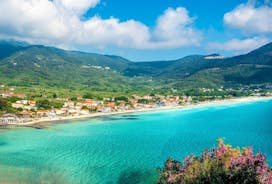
(129, 148)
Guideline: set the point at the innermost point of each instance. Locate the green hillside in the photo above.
(254, 68)
(47, 68)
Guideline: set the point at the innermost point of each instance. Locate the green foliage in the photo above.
(55, 95)
(49, 72)
(13, 99)
(144, 101)
(20, 109)
(74, 99)
(152, 94)
(222, 165)
(3, 104)
(121, 98)
(44, 104)
(85, 108)
(88, 96)
(57, 104)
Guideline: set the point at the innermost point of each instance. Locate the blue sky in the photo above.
(209, 18)
(209, 12)
(140, 30)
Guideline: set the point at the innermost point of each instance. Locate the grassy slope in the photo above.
(45, 70)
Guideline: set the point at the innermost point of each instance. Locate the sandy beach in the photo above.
(170, 107)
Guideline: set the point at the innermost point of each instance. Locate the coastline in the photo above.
(169, 107)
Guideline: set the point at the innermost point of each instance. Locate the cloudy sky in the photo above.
(140, 29)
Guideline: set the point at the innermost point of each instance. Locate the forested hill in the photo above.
(36, 65)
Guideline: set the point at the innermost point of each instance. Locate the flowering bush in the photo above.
(220, 165)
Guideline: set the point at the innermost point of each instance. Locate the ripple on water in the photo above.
(128, 148)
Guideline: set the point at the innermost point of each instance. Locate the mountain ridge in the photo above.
(34, 65)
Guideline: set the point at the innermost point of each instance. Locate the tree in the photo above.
(74, 99)
(57, 104)
(44, 104)
(3, 104)
(152, 93)
(121, 98)
(84, 108)
(20, 109)
(144, 101)
(88, 96)
(55, 95)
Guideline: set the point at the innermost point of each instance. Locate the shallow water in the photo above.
(128, 148)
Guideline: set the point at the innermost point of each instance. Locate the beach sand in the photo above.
(170, 107)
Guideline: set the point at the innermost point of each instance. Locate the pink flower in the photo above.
(250, 151)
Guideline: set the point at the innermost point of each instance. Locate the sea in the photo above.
(130, 148)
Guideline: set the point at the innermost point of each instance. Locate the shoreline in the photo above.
(153, 109)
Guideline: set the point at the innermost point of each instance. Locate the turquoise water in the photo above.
(128, 148)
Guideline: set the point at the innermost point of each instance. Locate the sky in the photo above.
(140, 30)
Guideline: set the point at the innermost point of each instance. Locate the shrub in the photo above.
(144, 101)
(57, 104)
(221, 165)
(121, 98)
(20, 109)
(3, 104)
(44, 104)
(88, 96)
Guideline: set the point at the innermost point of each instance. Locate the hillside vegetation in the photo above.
(46, 68)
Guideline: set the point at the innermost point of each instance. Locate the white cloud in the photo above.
(250, 19)
(253, 20)
(58, 22)
(239, 45)
(113, 32)
(174, 28)
(78, 6)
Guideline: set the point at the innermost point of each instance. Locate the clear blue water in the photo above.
(128, 149)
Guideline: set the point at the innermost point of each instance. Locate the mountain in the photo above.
(249, 69)
(41, 67)
(254, 68)
(9, 47)
(46, 67)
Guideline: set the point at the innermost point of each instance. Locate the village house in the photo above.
(8, 119)
(107, 99)
(6, 94)
(133, 101)
(46, 113)
(108, 107)
(25, 104)
(17, 105)
(147, 97)
(69, 104)
(105, 109)
(84, 112)
(183, 99)
(25, 114)
(79, 98)
(32, 103)
(172, 99)
(18, 95)
(73, 111)
(90, 103)
(79, 105)
(60, 111)
(159, 104)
